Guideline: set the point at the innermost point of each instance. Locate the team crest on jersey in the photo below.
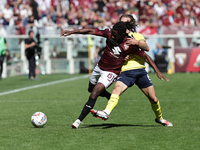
(180, 59)
(126, 46)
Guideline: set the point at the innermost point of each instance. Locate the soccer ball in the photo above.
(38, 119)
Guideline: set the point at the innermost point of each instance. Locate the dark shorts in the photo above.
(137, 76)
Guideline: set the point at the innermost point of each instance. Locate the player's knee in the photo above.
(94, 94)
(116, 91)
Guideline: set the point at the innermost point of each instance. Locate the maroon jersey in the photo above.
(113, 56)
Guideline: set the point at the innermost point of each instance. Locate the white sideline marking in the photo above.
(45, 84)
(100, 101)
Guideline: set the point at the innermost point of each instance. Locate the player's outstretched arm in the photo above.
(81, 31)
(160, 75)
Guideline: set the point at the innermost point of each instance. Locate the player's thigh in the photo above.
(128, 78)
(143, 80)
(119, 88)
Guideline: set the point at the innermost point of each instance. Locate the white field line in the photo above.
(100, 101)
(45, 84)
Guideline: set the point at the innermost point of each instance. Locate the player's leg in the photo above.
(103, 82)
(98, 88)
(155, 105)
(90, 87)
(124, 81)
(104, 93)
(144, 83)
(113, 101)
(151, 95)
(93, 81)
(119, 88)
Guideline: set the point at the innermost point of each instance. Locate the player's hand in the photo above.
(132, 41)
(65, 33)
(161, 76)
(127, 57)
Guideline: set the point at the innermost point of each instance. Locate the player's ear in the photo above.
(124, 34)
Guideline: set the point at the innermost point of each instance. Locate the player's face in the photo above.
(116, 38)
(125, 19)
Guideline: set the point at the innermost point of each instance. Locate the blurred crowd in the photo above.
(23, 14)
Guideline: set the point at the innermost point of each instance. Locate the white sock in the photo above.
(77, 120)
(107, 111)
(162, 120)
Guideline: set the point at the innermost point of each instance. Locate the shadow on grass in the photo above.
(112, 125)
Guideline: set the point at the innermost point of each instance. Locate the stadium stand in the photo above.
(53, 15)
(50, 17)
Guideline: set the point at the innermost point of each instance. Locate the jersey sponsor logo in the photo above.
(114, 55)
(116, 50)
(88, 106)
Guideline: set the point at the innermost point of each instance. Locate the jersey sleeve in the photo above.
(137, 36)
(139, 52)
(103, 33)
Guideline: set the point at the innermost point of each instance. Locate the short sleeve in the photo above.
(139, 52)
(137, 36)
(104, 33)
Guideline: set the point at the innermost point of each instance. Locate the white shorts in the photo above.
(104, 77)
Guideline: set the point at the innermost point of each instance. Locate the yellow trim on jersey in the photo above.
(135, 61)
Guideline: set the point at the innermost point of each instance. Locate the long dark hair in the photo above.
(133, 23)
(121, 27)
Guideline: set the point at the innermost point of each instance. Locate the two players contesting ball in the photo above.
(122, 40)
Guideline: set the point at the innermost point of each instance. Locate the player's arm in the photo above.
(81, 31)
(138, 40)
(148, 59)
(141, 44)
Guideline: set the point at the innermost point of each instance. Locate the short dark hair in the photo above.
(121, 27)
(132, 21)
(29, 32)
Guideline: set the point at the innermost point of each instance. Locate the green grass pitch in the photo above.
(131, 125)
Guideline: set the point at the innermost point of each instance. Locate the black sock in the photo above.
(86, 109)
(105, 94)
